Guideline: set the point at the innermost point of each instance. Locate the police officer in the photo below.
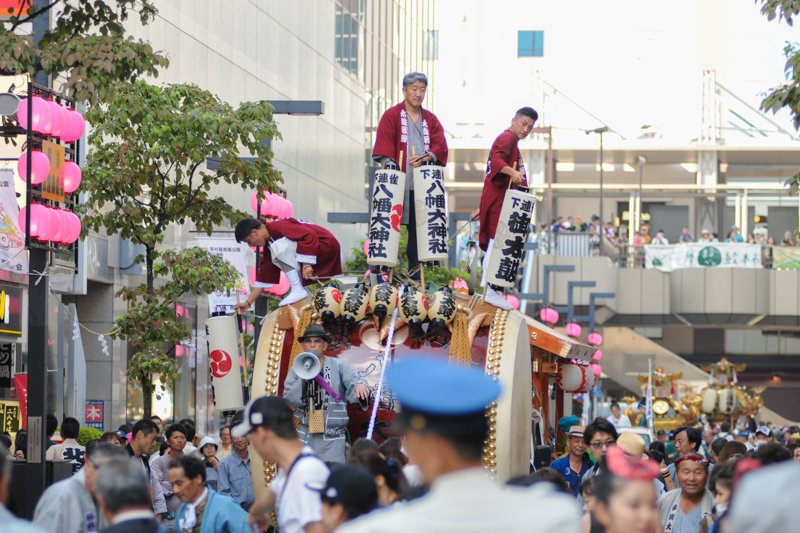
(443, 413)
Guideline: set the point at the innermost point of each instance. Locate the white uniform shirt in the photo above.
(622, 422)
(469, 501)
(296, 504)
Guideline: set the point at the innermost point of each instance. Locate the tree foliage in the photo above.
(146, 170)
(87, 45)
(787, 94)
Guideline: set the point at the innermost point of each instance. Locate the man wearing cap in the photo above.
(763, 436)
(409, 136)
(577, 462)
(442, 409)
(350, 492)
(687, 442)
(683, 509)
(330, 390)
(269, 422)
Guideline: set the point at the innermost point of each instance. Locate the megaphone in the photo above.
(306, 365)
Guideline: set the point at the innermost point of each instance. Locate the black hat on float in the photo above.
(315, 330)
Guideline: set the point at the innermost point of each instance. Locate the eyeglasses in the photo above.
(604, 444)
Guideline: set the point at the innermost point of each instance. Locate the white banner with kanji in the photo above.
(702, 255)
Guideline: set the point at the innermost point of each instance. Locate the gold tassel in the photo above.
(460, 346)
(306, 315)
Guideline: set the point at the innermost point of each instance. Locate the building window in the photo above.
(349, 15)
(431, 45)
(530, 44)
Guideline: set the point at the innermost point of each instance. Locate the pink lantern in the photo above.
(594, 338)
(265, 202)
(366, 247)
(40, 168)
(62, 120)
(280, 288)
(52, 120)
(288, 209)
(73, 130)
(40, 110)
(512, 300)
(70, 177)
(573, 329)
(598, 354)
(75, 225)
(597, 369)
(39, 218)
(66, 223)
(552, 316)
(59, 233)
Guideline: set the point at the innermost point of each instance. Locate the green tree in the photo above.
(87, 45)
(787, 94)
(146, 171)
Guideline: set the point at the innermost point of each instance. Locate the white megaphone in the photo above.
(306, 365)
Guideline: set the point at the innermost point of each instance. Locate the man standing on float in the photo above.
(503, 166)
(409, 136)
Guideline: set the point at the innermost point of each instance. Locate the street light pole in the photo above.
(600, 131)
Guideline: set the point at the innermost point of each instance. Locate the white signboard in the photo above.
(430, 208)
(386, 213)
(510, 237)
(702, 255)
(12, 239)
(233, 253)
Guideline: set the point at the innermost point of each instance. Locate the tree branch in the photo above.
(33, 15)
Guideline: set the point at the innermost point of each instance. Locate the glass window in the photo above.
(530, 43)
(349, 15)
(431, 45)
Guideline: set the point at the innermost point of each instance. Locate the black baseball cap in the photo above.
(266, 411)
(352, 487)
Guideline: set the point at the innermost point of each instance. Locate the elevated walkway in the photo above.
(626, 354)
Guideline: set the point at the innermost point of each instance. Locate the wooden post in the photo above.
(245, 359)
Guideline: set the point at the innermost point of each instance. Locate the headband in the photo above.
(630, 467)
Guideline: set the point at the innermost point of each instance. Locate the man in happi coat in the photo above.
(409, 136)
(503, 166)
(330, 391)
(295, 247)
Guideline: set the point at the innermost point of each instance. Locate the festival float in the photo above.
(672, 408)
(390, 316)
(723, 399)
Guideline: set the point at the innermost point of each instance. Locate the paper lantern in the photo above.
(442, 307)
(52, 120)
(512, 300)
(597, 369)
(40, 167)
(62, 120)
(413, 306)
(288, 209)
(382, 300)
(254, 203)
(73, 126)
(548, 315)
(65, 221)
(59, 232)
(39, 218)
(594, 338)
(574, 378)
(354, 304)
(573, 329)
(40, 110)
(70, 177)
(598, 354)
(75, 228)
(328, 303)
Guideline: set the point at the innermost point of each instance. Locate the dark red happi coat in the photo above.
(311, 240)
(390, 139)
(504, 152)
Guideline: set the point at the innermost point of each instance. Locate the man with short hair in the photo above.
(617, 418)
(52, 426)
(443, 411)
(191, 433)
(598, 436)
(158, 421)
(504, 169)
(9, 522)
(203, 510)
(143, 436)
(298, 248)
(70, 450)
(68, 505)
(123, 495)
(409, 136)
(234, 474)
(687, 441)
(335, 385)
(176, 442)
(682, 509)
(577, 462)
(269, 422)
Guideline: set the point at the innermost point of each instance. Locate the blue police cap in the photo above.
(432, 385)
